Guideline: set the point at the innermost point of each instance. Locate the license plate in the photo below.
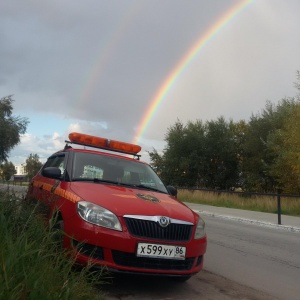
(161, 251)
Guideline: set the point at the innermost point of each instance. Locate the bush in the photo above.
(32, 265)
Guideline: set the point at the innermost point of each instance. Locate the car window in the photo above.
(57, 161)
(95, 166)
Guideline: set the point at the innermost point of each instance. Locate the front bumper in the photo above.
(116, 251)
(124, 262)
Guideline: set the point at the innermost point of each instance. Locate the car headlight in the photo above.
(98, 215)
(200, 229)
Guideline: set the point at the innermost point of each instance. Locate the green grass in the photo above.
(32, 265)
(289, 206)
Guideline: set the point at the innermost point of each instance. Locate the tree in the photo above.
(11, 127)
(221, 157)
(7, 170)
(285, 144)
(297, 83)
(32, 165)
(197, 154)
(171, 168)
(183, 154)
(157, 161)
(259, 153)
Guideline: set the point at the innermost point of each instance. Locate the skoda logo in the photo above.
(164, 221)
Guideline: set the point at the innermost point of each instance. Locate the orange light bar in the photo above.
(125, 147)
(94, 141)
(87, 140)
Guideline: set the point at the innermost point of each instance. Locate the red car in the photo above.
(116, 212)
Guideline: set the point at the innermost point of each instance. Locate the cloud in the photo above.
(43, 146)
(95, 66)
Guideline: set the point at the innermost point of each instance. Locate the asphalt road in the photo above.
(243, 261)
(15, 188)
(266, 259)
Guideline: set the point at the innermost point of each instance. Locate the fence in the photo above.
(276, 196)
(21, 180)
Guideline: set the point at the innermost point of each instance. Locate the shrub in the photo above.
(32, 265)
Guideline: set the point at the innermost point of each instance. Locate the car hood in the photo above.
(132, 201)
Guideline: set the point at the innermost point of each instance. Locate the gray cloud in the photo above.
(102, 62)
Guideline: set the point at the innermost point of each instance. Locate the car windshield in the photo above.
(114, 170)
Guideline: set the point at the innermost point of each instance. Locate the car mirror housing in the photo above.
(52, 172)
(172, 190)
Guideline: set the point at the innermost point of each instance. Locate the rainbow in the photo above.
(184, 63)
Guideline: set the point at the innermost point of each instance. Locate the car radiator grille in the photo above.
(130, 260)
(149, 229)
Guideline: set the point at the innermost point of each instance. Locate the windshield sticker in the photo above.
(148, 198)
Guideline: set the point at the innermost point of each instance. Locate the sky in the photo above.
(128, 70)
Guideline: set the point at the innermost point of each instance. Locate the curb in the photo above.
(250, 221)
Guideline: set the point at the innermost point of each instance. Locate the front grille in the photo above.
(89, 250)
(130, 260)
(152, 230)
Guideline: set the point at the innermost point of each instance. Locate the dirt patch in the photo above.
(205, 285)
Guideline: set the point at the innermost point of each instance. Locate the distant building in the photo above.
(20, 174)
(20, 169)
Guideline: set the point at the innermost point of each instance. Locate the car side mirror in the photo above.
(52, 172)
(172, 190)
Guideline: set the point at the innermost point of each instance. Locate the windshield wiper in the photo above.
(82, 179)
(105, 181)
(146, 187)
